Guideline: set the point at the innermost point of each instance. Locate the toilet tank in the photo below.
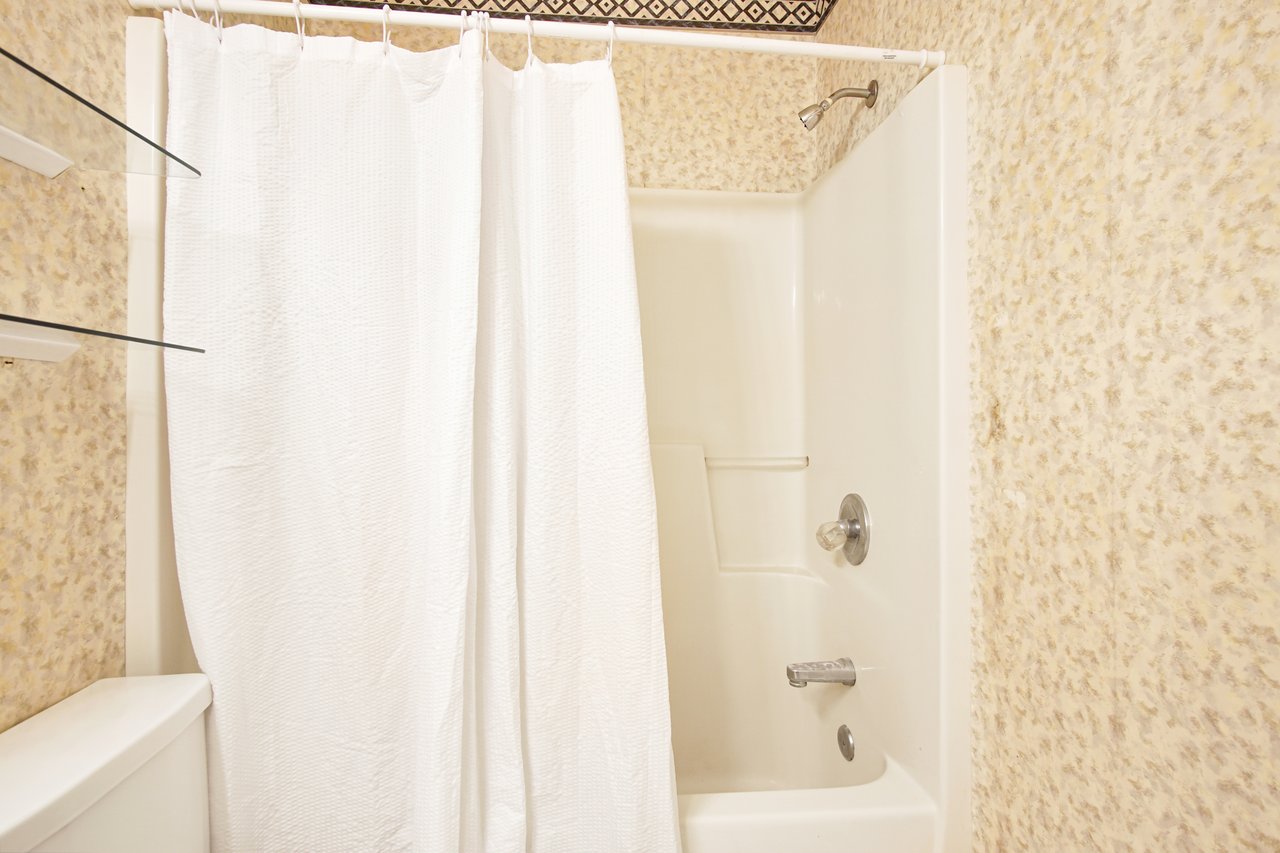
(119, 766)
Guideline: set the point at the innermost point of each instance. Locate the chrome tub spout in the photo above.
(822, 671)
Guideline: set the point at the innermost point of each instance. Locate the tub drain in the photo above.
(844, 737)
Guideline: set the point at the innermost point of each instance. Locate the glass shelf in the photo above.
(26, 337)
(35, 106)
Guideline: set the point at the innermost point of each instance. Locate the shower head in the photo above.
(812, 114)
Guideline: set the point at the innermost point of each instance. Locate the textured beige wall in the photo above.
(62, 427)
(1125, 274)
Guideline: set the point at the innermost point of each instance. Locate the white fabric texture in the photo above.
(412, 495)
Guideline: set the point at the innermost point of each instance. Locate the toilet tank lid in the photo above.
(56, 764)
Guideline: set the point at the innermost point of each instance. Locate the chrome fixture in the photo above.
(852, 533)
(844, 738)
(822, 672)
(812, 114)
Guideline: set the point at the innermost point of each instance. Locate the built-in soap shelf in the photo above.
(47, 127)
(757, 463)
(41, 340)
(689, 535)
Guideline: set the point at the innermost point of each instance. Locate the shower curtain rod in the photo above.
(557, 29)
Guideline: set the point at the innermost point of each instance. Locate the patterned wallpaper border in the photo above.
(762, 16)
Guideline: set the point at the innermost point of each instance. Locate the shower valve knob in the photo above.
(834, 534)
(851, 534)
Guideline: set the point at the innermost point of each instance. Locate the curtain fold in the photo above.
(412, 497)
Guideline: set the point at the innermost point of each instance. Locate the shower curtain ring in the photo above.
(528, 22)
(487, 28)
(217, 17)
(613, 34)
(386, 29)
(297, 17)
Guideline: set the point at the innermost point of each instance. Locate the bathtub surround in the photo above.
(413, 499)
(1125, 176)
(771, 336)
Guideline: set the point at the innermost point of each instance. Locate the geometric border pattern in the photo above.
(762, 16)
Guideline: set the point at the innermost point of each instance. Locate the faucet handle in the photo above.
(851, 534)
(833, 535)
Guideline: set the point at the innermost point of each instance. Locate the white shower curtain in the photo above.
(412, 495)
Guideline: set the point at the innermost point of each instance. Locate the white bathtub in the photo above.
(757, 763)
(797, 348)
(891, 814)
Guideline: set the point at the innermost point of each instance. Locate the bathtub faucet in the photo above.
(823, 671)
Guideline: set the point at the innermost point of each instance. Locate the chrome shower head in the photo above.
(812, 114)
